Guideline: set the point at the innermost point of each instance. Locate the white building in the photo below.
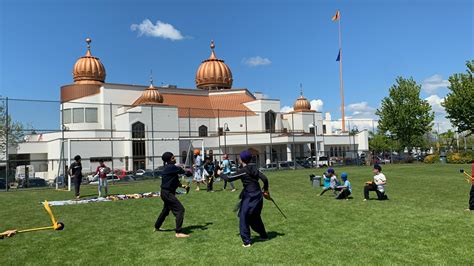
(131, 126)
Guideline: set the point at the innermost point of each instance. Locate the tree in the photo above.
(404, 116)
(459, 103)
(15, 130)
(379, 142)
(448, 139)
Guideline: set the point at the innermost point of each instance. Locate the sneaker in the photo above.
(181, 235)
(246, 245)
(158, 230)
(365, 200)
(468, 210)
(197, 189)
(233, 190)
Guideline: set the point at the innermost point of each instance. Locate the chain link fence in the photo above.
(39, 139)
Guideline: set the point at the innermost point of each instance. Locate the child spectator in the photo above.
(333, 182)
(346, 189)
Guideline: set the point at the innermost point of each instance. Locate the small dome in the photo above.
(302, 104)
(88, 69)
(151, 96)
(213, 73)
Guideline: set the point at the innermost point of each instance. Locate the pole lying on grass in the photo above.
(55, 226)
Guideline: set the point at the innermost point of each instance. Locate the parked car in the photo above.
(33, 182)
(304, 163)
(269, 167)
(298, 164)
(283, 165)
(147, 174)
(2, 184)
(127, 178)
(323, 161)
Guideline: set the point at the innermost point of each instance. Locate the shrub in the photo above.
(433, 158)
(460, 157)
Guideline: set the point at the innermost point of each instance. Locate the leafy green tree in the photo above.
(448, 139)
(404, 116)
(459, 103)
(379, 142)
(15, 130)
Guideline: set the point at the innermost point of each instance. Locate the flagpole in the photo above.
(340, 75)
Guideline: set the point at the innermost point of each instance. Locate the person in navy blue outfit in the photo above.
(251, 202)
(169, 184)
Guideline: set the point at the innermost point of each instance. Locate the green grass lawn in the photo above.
(424, 222)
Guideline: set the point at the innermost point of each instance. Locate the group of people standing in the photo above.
(206, 171)
(344, 190)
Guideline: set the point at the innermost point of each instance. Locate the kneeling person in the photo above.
(169, 184)
(378, 185)
(346, 189)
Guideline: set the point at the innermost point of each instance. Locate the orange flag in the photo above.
(337, 16)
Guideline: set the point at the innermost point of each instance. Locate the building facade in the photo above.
(131, 126)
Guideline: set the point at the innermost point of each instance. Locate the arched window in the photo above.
(203, 131)
(184, 156)
(270, 119)
(138, 146)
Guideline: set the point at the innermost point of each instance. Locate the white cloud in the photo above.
(317, 105)
(360, 110)
(369, 124)
(160, 30)
(256, 61)
(286, 109)
(433, 83)
(435, 102)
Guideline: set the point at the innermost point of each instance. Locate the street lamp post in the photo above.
(226, 128)
(315, 143)
(354, 130)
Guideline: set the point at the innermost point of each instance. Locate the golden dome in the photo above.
(88, 69)
(213, 73)
(151, 96)
(302, 104)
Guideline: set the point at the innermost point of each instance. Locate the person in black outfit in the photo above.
(209, 167)
(169, 184)
(75, 171)
(251, 203)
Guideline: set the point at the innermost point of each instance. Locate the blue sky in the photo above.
(295, 42)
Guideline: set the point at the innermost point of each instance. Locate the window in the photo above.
(324, 129)
(184, 156)
(203, 131)
(67, 116)
(220, 131)
(78, 115)
(138, 130)
(91, 115)
(311, 130)
(270, 119)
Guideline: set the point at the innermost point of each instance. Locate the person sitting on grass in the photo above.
(378, 185)
(346, 189)
(333, 182)
(326, 180)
